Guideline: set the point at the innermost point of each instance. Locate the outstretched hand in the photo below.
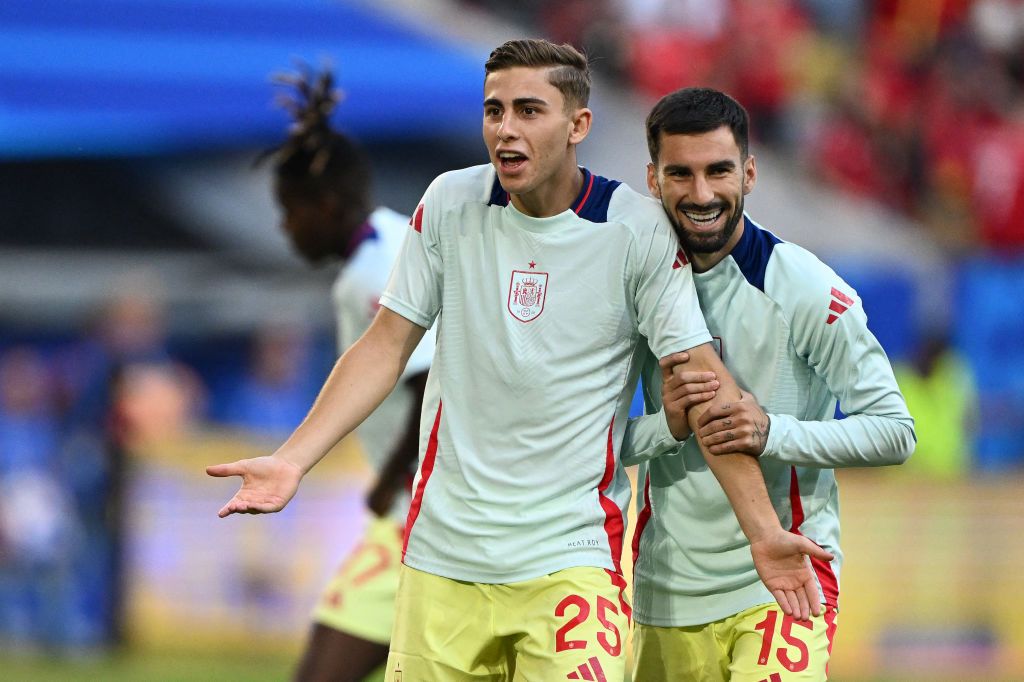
(781, 560)
(268, 483)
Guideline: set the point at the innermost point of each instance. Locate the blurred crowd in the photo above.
(918, 104)
(76, 413)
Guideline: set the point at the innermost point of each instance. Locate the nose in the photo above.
(702, 192)
(507, 128)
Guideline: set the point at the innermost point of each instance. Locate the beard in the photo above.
(712, 242)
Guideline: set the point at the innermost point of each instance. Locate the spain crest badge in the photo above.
(526, 294)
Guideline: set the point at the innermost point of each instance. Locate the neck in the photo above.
(360, 234)
(554, 196)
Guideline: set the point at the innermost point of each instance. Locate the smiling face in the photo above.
(701, 180)
(531, 138)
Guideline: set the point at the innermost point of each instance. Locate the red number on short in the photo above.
(792, 640)
(381, 561)
(602, 606)
(561, 643)
(768, 626)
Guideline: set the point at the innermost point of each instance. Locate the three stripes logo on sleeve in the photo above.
(839, 305)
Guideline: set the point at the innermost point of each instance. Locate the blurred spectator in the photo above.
(670, 44)
(29, 435)
(841, 18)
(997, 190)
(130, 327)
(277, 387)
(940, 393)
(38, 524)
(128, 330)
(158, 405)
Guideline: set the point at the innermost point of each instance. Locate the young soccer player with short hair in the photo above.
(793, 333)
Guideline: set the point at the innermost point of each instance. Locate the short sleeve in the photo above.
(415, 285)
(667, 309)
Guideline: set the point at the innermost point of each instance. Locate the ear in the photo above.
(580, 127)
(749, 174)
(652, 181)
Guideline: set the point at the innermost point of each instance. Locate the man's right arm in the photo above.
(360, 380)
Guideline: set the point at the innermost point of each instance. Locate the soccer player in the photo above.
(547, 284)
(322, 184)
(795, 335)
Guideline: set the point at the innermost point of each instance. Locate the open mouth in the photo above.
(706, 217)
(511, 161)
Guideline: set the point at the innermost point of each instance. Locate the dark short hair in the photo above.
(570, 72)
(692, 111)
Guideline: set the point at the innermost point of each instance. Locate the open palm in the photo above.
(268, 483)
(781, 560)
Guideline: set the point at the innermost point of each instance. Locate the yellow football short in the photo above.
(360, 599)
(571, 624)
(757, 645)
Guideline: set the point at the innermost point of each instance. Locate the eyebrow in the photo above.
(712, 167)
(725, 165)
(518, 102)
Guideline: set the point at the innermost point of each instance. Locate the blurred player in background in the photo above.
(545, 280)
(322, 183)
(795, 334)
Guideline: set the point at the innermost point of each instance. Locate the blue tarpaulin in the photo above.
(124, 77)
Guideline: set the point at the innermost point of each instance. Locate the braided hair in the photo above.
(319, 167)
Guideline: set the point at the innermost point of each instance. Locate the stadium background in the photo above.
(153, 321)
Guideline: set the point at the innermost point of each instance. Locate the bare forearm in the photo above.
(739, 474)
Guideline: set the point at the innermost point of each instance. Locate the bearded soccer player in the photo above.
(795, 335)
(547, 284)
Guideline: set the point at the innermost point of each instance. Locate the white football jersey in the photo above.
(795, 335)
(539, 328)
(356, 295)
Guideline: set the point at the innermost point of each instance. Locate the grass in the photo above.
(154, 667)
(136, 667)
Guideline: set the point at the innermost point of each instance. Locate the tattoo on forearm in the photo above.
(761, 432)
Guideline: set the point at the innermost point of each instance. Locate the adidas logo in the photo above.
(839, 305)
(680, 261)
(590, 671)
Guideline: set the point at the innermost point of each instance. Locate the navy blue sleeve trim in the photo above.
(499, 197)
(594, 197)
(753, 251)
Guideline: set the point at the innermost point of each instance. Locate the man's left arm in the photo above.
(878, 429)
